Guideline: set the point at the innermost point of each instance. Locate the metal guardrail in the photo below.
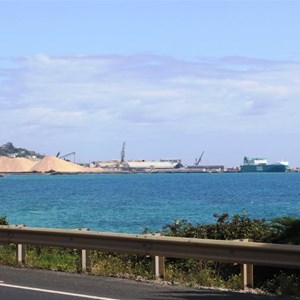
(160, 246)
(223, 251)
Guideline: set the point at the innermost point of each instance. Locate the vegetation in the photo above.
(3, 220)
(287, 229)
(10, 150)
(183, 271)
(238, 227)
(283, 230)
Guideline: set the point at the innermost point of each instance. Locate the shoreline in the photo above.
(167, 171)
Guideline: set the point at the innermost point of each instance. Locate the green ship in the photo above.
(261, 165)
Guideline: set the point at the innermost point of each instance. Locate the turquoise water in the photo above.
(131, 202)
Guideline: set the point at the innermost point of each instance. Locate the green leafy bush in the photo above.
(225, 228)
(3, 220)
(287, 229)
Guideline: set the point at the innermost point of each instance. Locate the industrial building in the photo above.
(207, 168)
(143, 165)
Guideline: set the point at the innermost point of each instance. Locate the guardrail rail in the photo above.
(246, 254)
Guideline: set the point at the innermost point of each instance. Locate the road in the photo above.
(27, 284)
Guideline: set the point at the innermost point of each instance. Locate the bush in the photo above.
(284, 285)
(226, 228)
(287, 229)
(3, 220)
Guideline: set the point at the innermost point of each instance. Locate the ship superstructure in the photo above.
(258, 164)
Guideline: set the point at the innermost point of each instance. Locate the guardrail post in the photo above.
(85, 261)
(247, 272)
(247, 276)
(21, 249)
(21, 254)
(159, 265)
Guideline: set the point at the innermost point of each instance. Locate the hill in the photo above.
(9, 150)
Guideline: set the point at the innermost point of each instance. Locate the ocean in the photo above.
(129, 203)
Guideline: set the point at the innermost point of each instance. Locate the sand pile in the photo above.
(47, 164)
(52, 163)
(15, 165)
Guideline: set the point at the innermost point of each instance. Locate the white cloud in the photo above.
(107, 98)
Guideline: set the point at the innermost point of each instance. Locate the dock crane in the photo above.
(197, 160)
(123, 153)
(66, 155)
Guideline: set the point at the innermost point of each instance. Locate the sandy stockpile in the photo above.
(15, 165)
(52, 163)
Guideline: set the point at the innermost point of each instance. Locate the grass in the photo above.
(186, 272)
(180, 271)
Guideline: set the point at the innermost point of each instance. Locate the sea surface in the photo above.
(129, 203)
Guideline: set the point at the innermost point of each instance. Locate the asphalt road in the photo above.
(27, 284)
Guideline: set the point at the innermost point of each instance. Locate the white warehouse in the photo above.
(142, 165)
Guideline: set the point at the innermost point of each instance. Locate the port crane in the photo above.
(123, 153)
(66, 155)
(197, 160)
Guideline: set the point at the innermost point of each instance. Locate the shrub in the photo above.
(287, 229)
(225, 228)
(3, 220)
(284, 285)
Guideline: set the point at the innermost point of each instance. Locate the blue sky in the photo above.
(171, 78)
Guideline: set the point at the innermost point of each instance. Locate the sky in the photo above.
(170, 78)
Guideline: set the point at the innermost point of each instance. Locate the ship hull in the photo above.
(263, 168)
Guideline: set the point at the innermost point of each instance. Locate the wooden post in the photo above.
(21, 254)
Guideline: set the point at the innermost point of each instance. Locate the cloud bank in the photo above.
(93, 103)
